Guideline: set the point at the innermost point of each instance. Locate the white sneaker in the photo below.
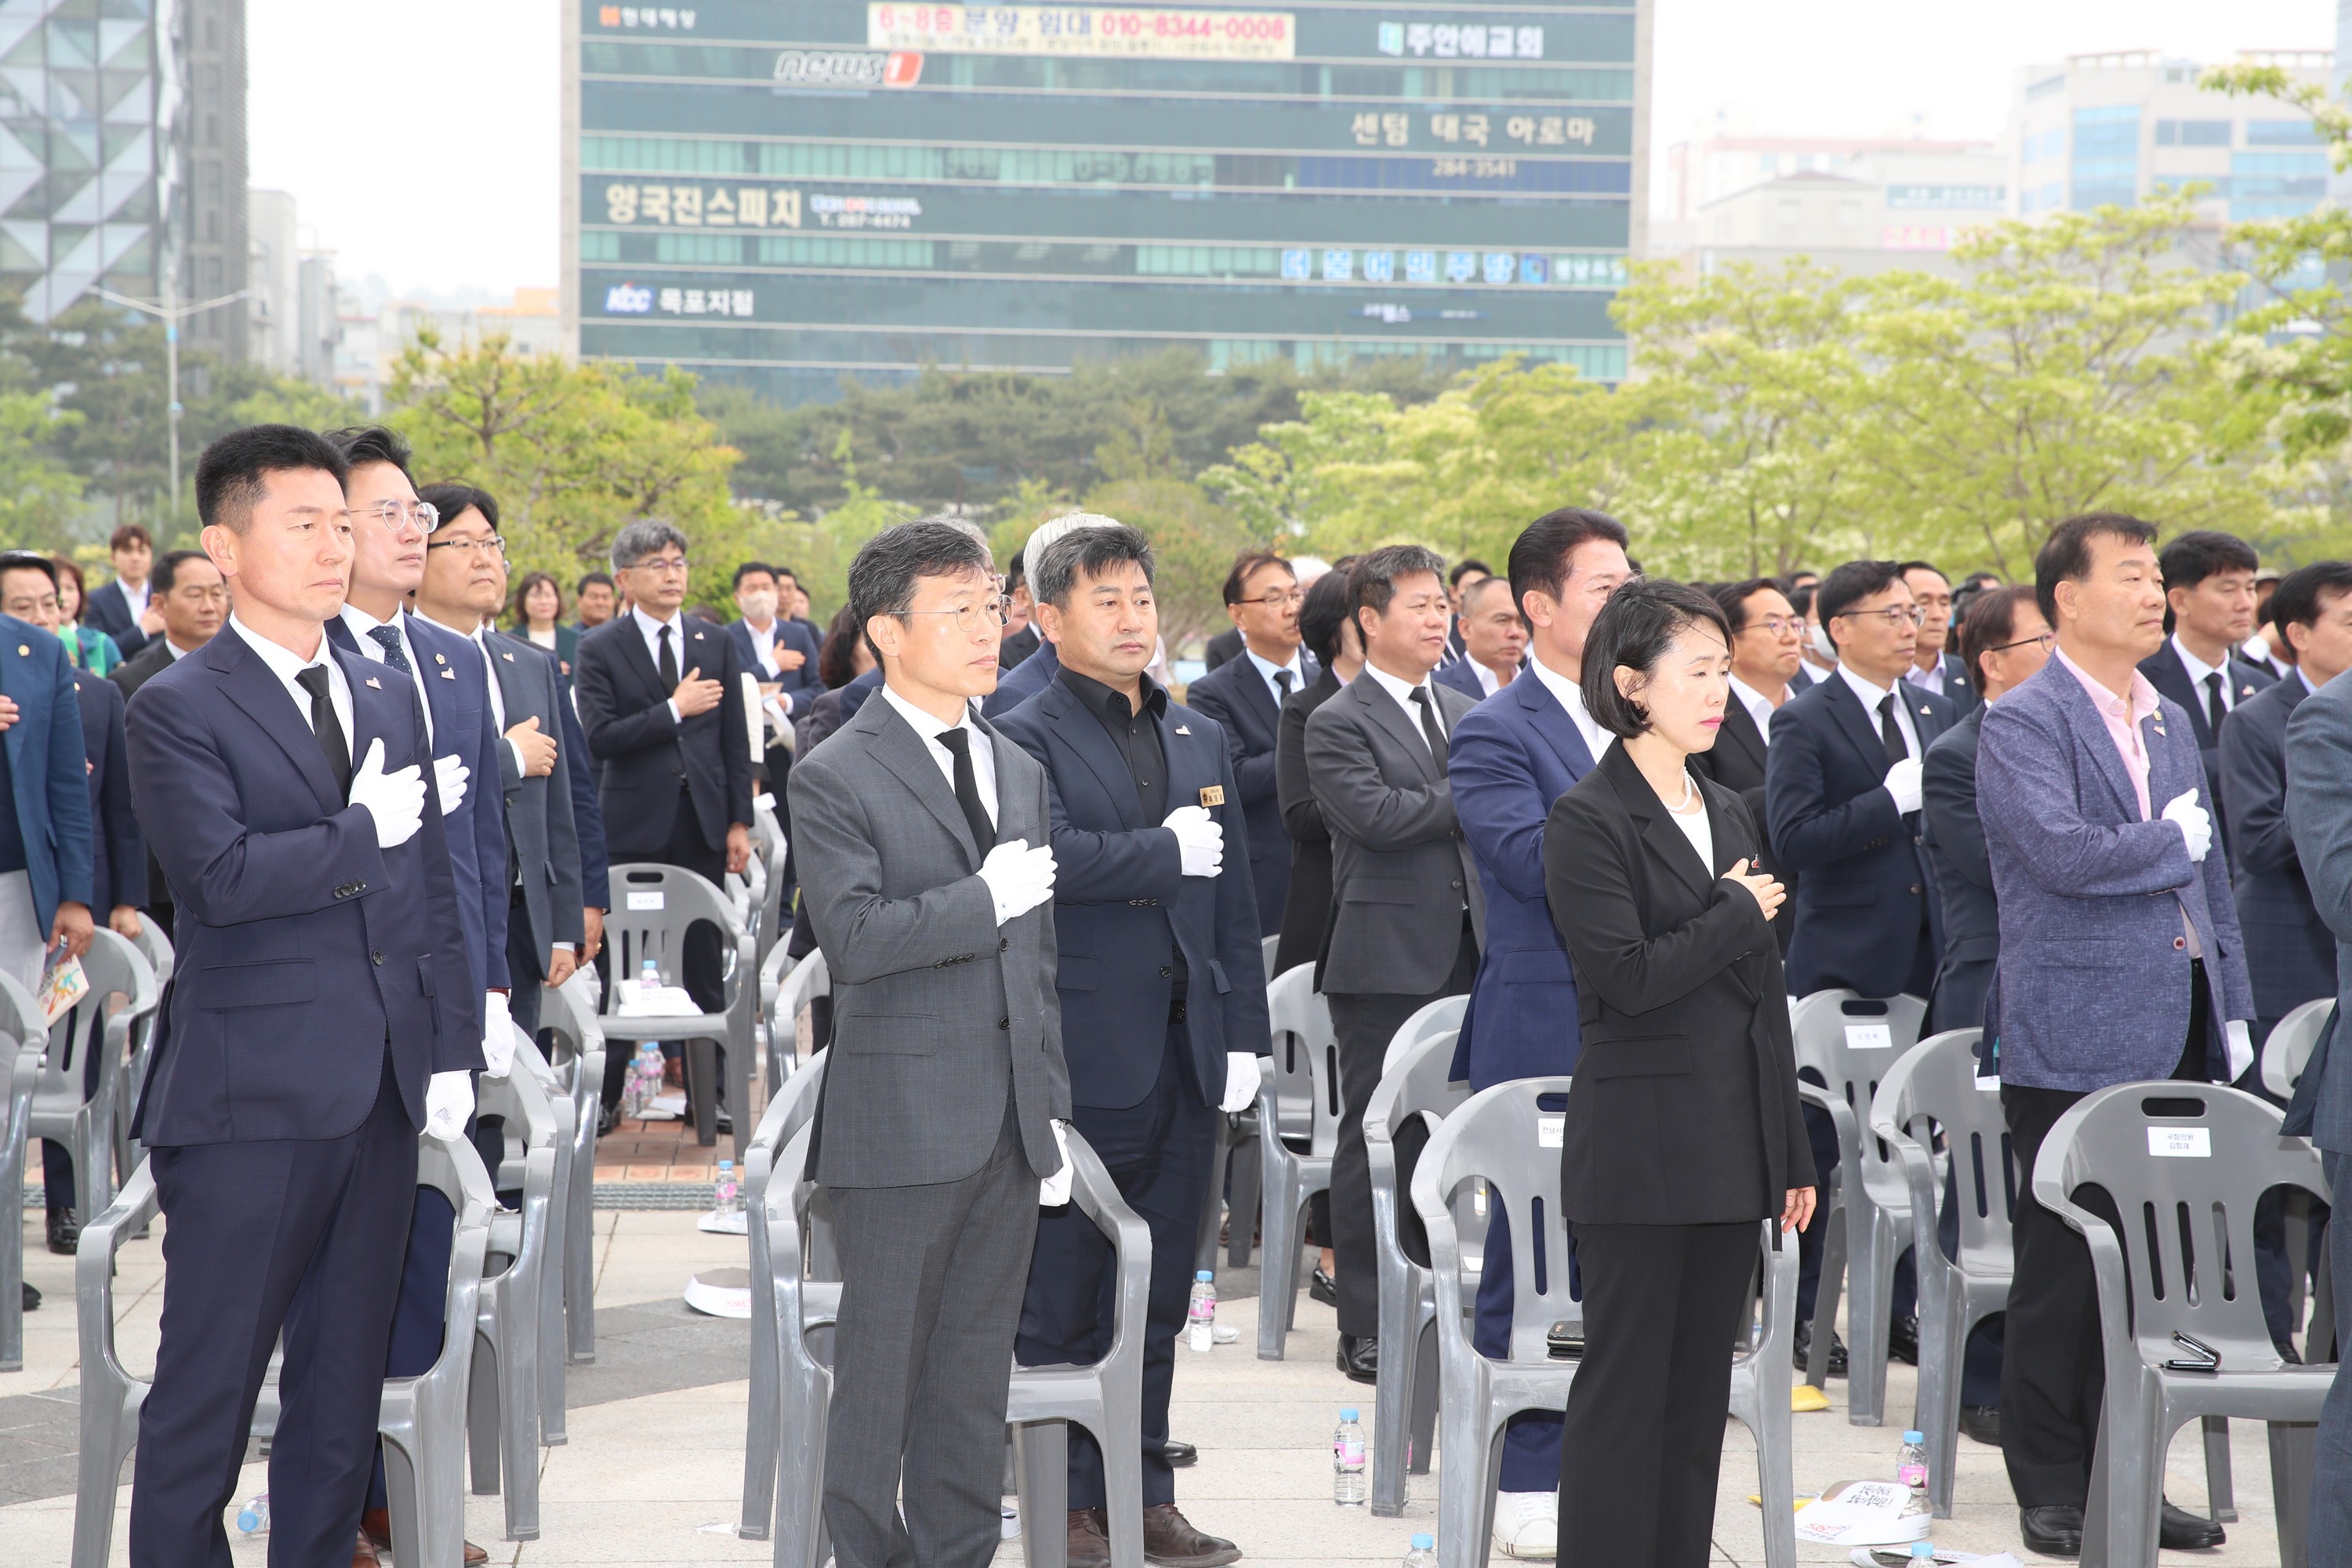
(1527, 1524)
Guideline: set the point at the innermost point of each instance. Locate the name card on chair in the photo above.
(2181, 1143)
(1551, 1131)
(1869, 1037)
(645, 900)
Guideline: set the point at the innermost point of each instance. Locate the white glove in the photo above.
(2195, 823)
(1903, 782)
(1019, 878)
(449, 776)
(1242, 1080)
(396, 801)
(449, 1101)
(1200, 840)
(498, 1035)
(1054, 1190)
(2241, 1040)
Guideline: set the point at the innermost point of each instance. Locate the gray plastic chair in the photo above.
(1933, 1088)
(768, 835)
(1445, 1012)
(156, 949)
(2185, 1164)
(779, 1295)
(798, 986)
(21, 1045)
(1404, 1404)
(504, 1410)
(569, 1013)
(2289, 1048)
(656, 904)
(62, 1110)
(422, 1420)
(1495, 1137)
(1298, 1102)
(554, 1264)
(1869, 1211)
(1266, 949)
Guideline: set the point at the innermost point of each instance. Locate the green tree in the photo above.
(1195, 539)
(38, 495)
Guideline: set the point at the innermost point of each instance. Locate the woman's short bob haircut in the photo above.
(1637, 628)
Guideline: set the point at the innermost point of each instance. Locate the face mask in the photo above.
(760, 607)
(1818, 637)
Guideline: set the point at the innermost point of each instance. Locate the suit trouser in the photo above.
(702, 968)
(931, 1281)
(2330, 1535)
(298, 1235)
(1365, 1023)
(526, 967)
(1531, 1441)
(2273, 1272)
(1157, 1152)
(1643, 1440)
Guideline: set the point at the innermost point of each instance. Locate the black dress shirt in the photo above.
(1135, 735)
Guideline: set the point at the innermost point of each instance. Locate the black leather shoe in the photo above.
(2053, 1531)
(32, 1300)
(65, 1236)
(1180, 1456)
(1321, 1286)
(2177, 1530)
(607, 1118)
(1804, 1350)
(1360, 1358)
(1903, 1340)
(1982, 1422)
(1170, 1541)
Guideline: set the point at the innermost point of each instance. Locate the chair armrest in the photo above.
(101, 1238)
(1848, 1130)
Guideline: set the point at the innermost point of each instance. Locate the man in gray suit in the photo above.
(928, 875)
(1407, 915)
(2319, 813)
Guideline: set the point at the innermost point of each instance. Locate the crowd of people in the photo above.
(372, 788)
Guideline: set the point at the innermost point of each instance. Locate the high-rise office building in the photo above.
(788, 193)
(123, 154)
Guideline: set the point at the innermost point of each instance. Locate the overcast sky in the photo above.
(420, 143)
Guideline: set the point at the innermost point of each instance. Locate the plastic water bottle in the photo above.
(1423, 1553)
(1347, 1460)
(729, 1195)
(253, 1517)
(1911, 1470)
(1200, 1317)
(648, 979)
(1923, 1553)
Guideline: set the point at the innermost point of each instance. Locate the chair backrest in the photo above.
(522, 1100)
(1266, 949)
(769, 835)
(20, 1015)
(808, 979)
(653, 907)
(2185, 1164)
(1503, 1135)
(122, 989)
(1418, 1083)
(156, 949)
(1445, 1012)
(1850, 1040)
(569, 1012)
(2288, 1050)
(1936, 1086)
(1305, 1060)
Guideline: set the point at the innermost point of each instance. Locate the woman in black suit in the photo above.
(1683, 1130)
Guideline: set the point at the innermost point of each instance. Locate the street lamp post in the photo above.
(171, 312)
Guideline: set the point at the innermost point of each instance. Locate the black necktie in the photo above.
(1898, 748)
(330, 727)
(957, 742)
(1429, 727)
(667, 663)
(393, 654)
(2215, 709)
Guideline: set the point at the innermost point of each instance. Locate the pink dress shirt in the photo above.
(2124, 720)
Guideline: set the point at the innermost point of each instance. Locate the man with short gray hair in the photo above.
(657, 699)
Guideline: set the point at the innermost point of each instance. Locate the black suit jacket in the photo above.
(1686, 1108)
(1237, 697)
(2171, 677)
(110, 612)
(1306, 906)
(118, 858)
(1737, 763)
(1224, 649)
(1014, 646)
(1952, 838)
(646, 759)
(130, 675)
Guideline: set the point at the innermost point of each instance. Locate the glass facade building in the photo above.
(787, 192)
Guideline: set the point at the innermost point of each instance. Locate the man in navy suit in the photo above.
(1244, 696)
(1841, 788)
(1511, 758)
(1159, 976)
(1494, 641)
(125, 609)
(321, 1011)
(2209, 594)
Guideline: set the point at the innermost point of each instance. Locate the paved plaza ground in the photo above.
(652, 1470)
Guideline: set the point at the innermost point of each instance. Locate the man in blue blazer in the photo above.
(1244, 696)
(2209, 590)
(1162, 987)
(2120, 961)
(1511, 758)
(45, 839)
(322, 1012)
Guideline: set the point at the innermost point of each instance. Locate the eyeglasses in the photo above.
(1277, 600)
(393, 513)
(2045, 642)
(1775, 625)
(666, 564)
(971, 618)
(1893, 615)
(492, 547)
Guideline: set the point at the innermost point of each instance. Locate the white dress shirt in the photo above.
(1928, 680)
(363, 627)
(176, 651)
(1570, 696)
(1698, 830)
(545, 639)
(490, 674)
(1268, 669)
(1402, 692)
(983, 754)
(763, 648)
(1760, 708)
(286, 664)
(2198, 670)
(1872, 696)
(137, 598)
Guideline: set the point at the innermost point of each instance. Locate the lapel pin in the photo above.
(448, 675)
(373, 684)
(24, 650)
(440, 658)
(508, 657)
(2246, 690)
(1923, 708)
(1183, 730)
(1212, 794)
